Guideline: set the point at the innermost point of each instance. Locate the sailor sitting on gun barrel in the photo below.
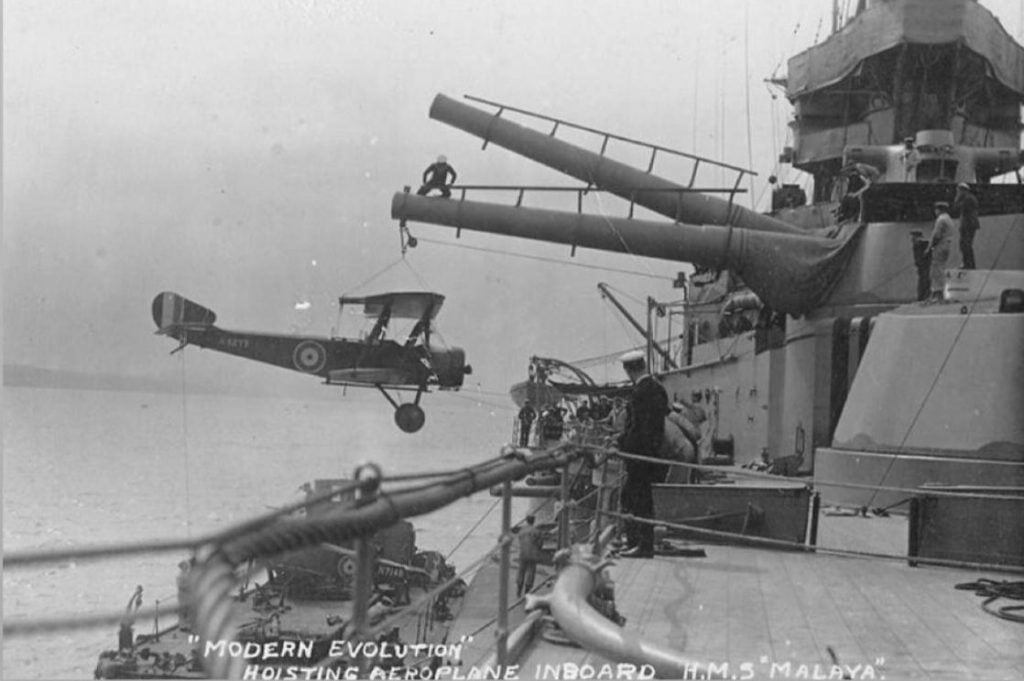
(436, 177)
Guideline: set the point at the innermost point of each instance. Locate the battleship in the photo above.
(889, 423)
(852, 506)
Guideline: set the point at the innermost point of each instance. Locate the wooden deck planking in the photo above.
(800, 632)
(683, 607)
(883, 590)
(742, 604)
(964, 607)
(970, 639)
(748, 616)
(703, 584)
(791, 607)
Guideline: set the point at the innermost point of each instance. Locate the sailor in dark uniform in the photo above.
(436, 177)
(645, 429)
(527, 415)
(965, 206)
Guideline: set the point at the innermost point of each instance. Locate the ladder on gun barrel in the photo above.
(606, 137)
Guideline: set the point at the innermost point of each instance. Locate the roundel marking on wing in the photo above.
(309, 356)
(346, 568)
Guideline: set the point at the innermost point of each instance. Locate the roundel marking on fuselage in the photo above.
(309, 356)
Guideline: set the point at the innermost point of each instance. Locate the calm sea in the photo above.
(88, 467)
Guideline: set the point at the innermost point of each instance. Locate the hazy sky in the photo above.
(244, 154)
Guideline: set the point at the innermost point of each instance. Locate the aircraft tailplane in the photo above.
(174, 313)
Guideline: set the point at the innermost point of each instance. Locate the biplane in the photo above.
(409, 363)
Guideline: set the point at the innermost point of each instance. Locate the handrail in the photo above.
(813, 482)
(608, 135)
(212, 581)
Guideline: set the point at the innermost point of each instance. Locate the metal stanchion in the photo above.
(363, 582)
(602, 499)
(563, 516)
(503, 578)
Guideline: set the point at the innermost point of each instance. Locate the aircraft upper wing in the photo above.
(406, 304)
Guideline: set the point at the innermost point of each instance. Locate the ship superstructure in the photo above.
(784, 306)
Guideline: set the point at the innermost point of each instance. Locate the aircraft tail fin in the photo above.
(173, 314)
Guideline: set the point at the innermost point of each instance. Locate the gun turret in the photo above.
(644, 188)
(789, 272)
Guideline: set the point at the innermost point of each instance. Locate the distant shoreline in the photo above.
(26, 376)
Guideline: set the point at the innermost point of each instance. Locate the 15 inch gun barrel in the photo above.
(791, 273)
(606, 173)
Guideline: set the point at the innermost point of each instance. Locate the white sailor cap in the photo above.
(633, 357)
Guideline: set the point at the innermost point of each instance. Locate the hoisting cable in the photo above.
(184, 437)
(372, 277)
(540, 258)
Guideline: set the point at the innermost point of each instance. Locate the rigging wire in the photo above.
(949, 354)
(373, 276)
(603, 359)
(603, 212)
(471, 530)
(746, 80)
(544, 259)
(626, 294)
(184, 436)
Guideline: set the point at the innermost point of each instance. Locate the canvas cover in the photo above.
(888, 23)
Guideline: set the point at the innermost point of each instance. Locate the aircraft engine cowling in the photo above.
(450, 366)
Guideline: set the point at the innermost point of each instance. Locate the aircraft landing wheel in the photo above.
(409, 417)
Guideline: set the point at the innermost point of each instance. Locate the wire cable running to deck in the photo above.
(540, 258)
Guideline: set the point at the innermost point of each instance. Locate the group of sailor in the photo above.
(931, 255)
(646, 425)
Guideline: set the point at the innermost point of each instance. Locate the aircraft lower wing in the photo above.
(370, 376)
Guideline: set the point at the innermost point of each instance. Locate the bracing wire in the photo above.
(949, 353)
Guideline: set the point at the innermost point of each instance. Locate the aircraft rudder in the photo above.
(171, 311)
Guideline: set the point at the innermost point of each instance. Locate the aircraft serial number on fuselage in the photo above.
(238, 343)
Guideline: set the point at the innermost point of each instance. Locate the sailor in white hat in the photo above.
(939, 247)
(436, 177)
